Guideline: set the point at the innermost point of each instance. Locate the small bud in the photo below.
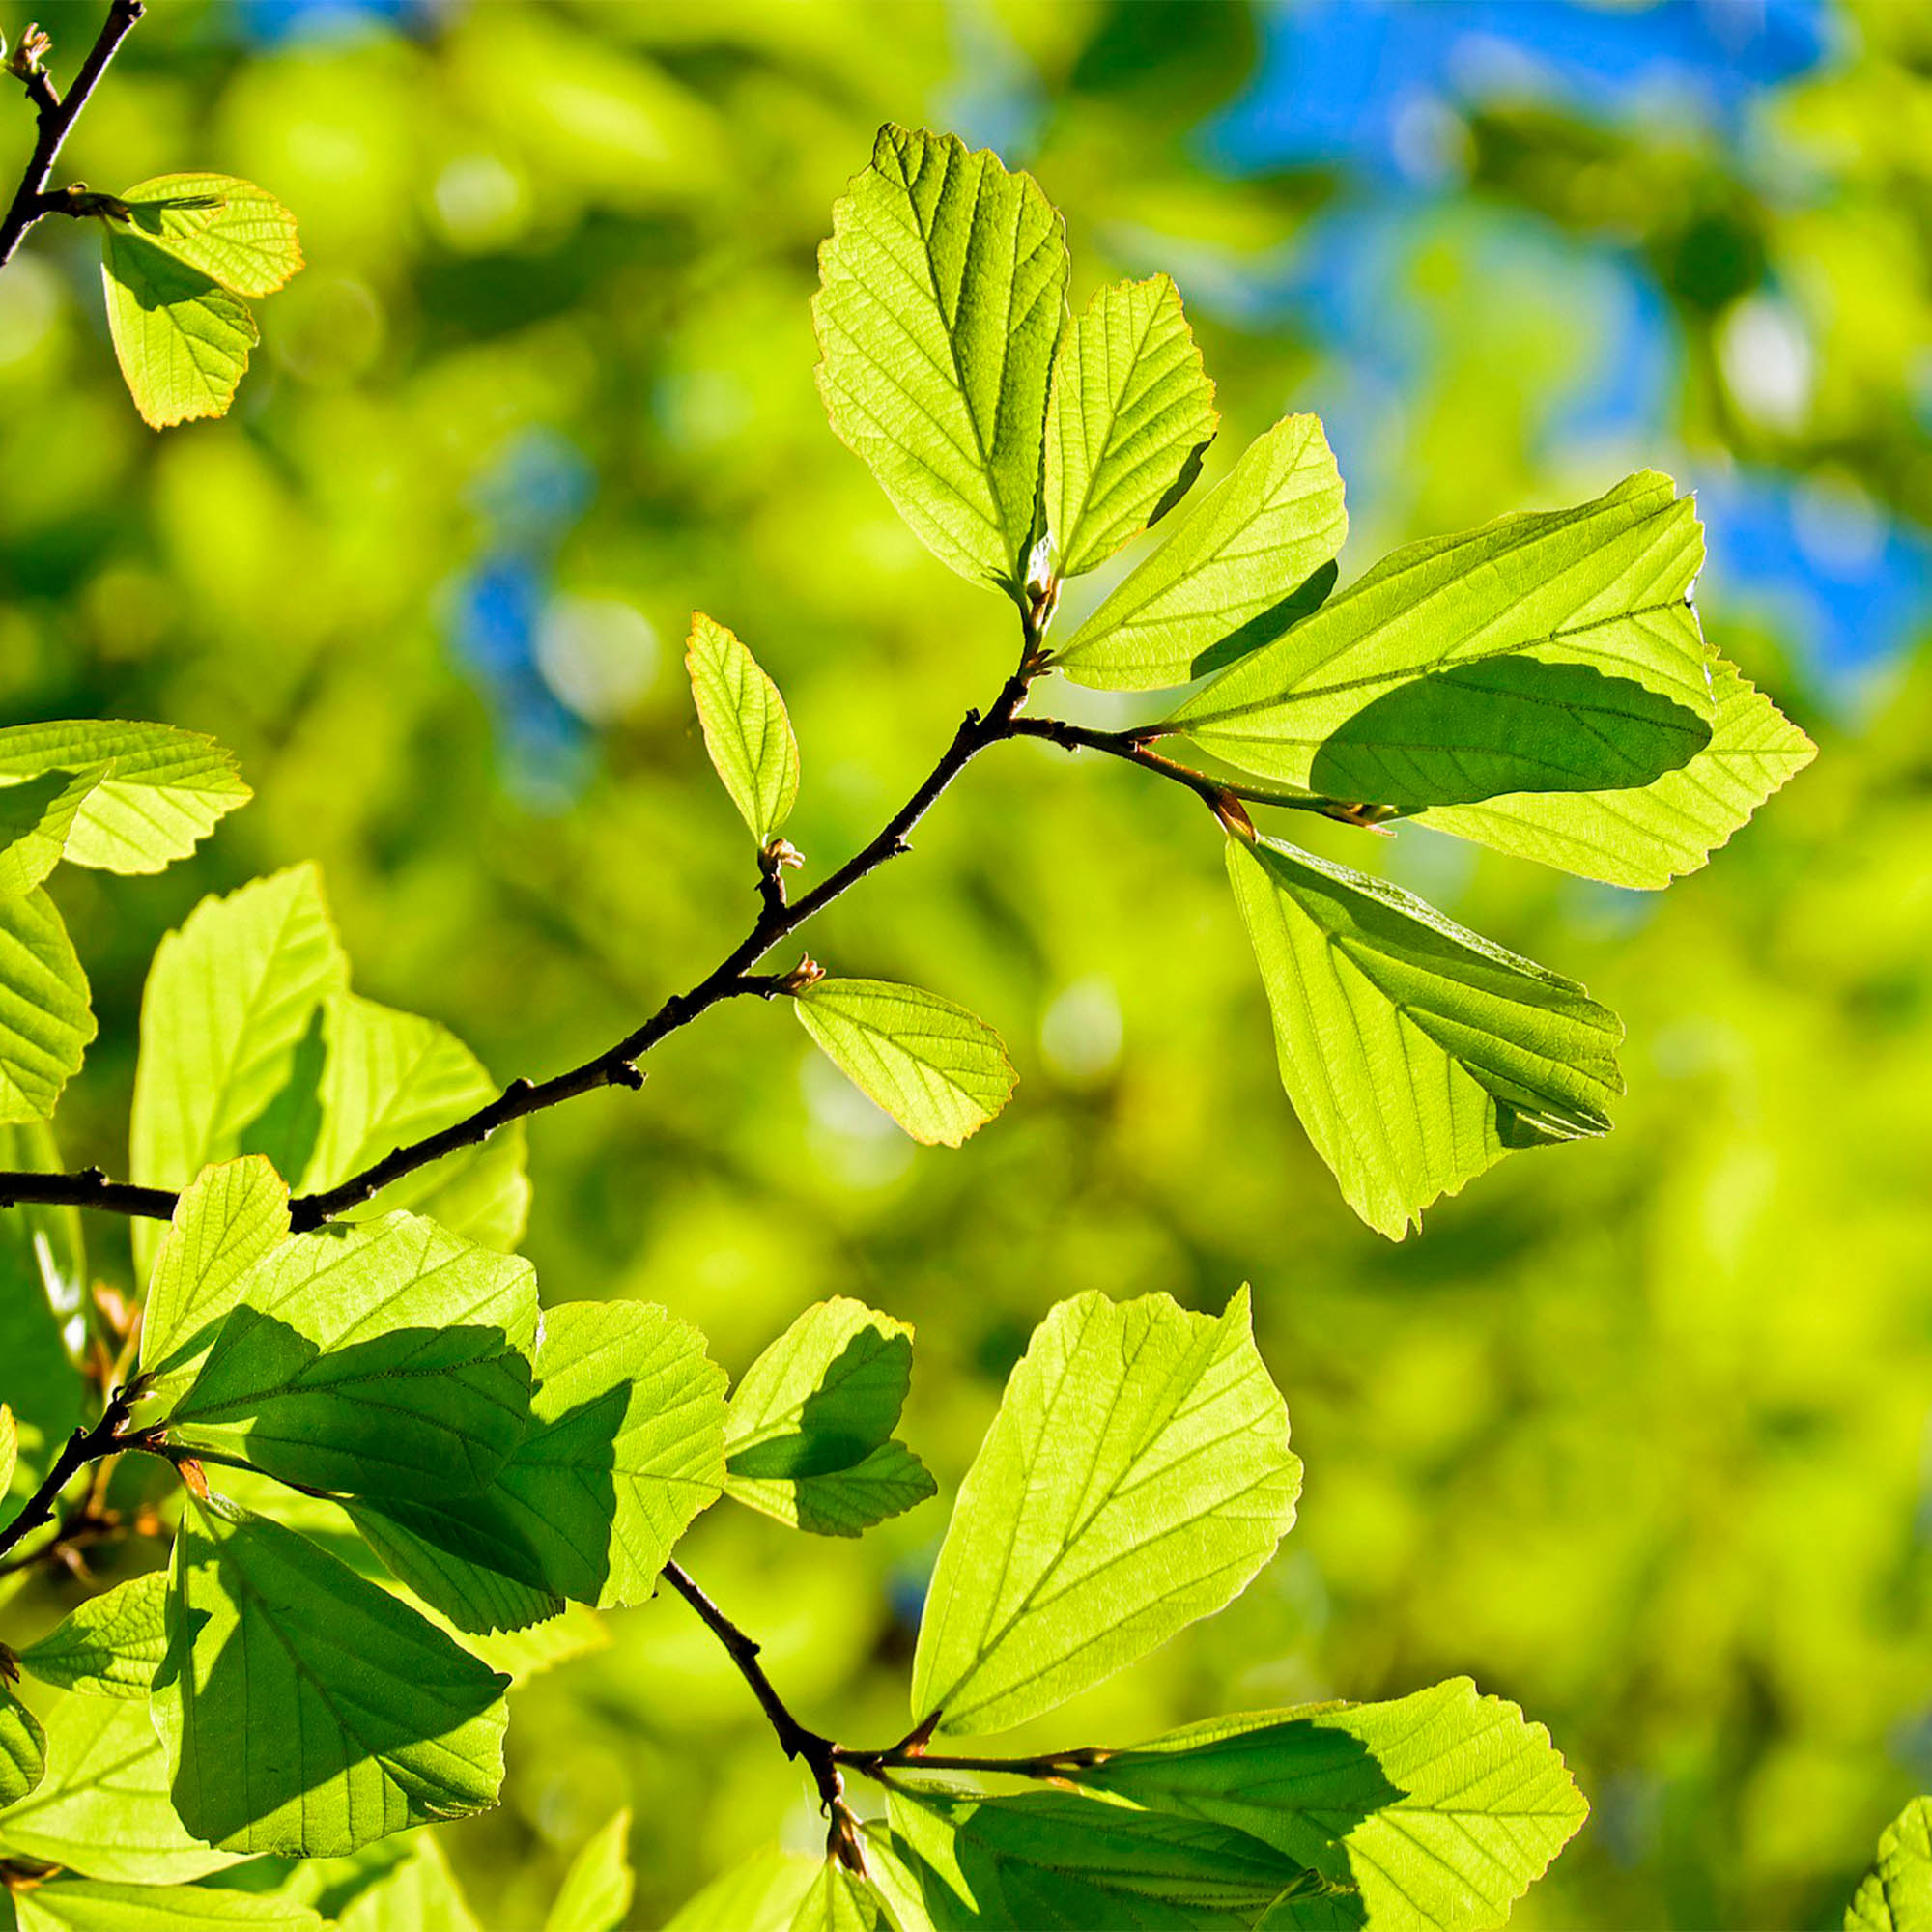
(24, 63)
(194, 1476)
(807, 973)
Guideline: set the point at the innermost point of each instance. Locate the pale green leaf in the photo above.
(228, 228)
(70, 1905)
(523, 1654)
(10, 1447)
(1245, 547)
(109, 1646)
(941, 1073)
(942, 291)
(417, 1893)
(1416, 1053)
(760, 1895)
(1437, 1811)
(1128, 415)
(161, 792)
(381, 1721)
(225, 1221)
(35, 816)
(1054, 1862)
(24, 1749)
(838, 1902)
(46, 1021)
(104, 1810)
(886, 1481)
(1896, 1893)
(596, 1892)
(625, 1444)
(1649, 837)
(1552, 652)
(1136, 1477)
(183, 341)
(228, 999)
(746, 731)
(391, 1079)
(388, 1360)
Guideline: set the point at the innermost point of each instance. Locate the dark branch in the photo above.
(82, 1447)
(90, 1188)
(55, 118)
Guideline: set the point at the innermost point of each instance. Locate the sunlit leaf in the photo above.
(1137, 1475)
(105, 1811)
(35, 816)
(382, 1721)
(43, 1327)
(160, 791)
(1647, 838)
(387, 1359)
(10, 1447)
(746, 731)
(941, 297)
(596, 1892)
(1416, 1053)
(1896, 1893)
(1128, 415)
(885, 1482)
(1052, 1862)
(183, 341)
(760, 1895)
(941, 1073)
(625, 1445)
(226, 227)
(225, 1221)
(417, 1893)
(24, 1749)
(1241, 550)
(70, 1905)
(46, 1021)
(838, 1902)
(1554, 652)
(109, 1646)
(1437, 1810)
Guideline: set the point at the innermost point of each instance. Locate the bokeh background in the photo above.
(1636, 1433)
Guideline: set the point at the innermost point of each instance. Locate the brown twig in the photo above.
(82, 1447)
(56, 117)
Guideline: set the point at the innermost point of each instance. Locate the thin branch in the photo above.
(1048, 1765)
(82, 1447)
(90, 1188)
(55, 118)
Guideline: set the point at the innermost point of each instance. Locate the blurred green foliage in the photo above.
(1636, 1434)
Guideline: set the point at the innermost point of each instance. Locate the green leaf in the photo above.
(838, 1902)
(760, 1895)
(1054, 1862)
(417, 1893)
(109, 1646)
(942, 291)
(183, 341)
(163, 791)
(1136, 1477)
(1245, 547)
(625, 1445)
(228, 999)
(84, 1905)
(1645, 839)
(746, 731)
(385, 1359)
(596, 1893)
(1129, 417)
(105, 1808)
(35, 816)
(1896, 1893)
(1437, 1810)
(228, 228)
(43, 1330)
(46, 1021)
(808, 1435)
(1554, 652)
(10, 1447)
(941, 1073)
(1416, 1053)
(391, 1079)
(24, 1749)
(381, 1721)
(225, 1221)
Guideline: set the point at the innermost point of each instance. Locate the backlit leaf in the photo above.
(760, 1895)
(111, 1645)
(596, 1892)
(942, 291)
(46, 1021)
(35, 816)
(381, 1721)
(1245, 547)
(183, 341)
(746, 731)
(24, 1749)
(1137, 1475)
(1416, 1053)
(83, 1905)
(1896, 1893)
(1128, 415)
(226, 227)
(838, 1902)
(941, 1073)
